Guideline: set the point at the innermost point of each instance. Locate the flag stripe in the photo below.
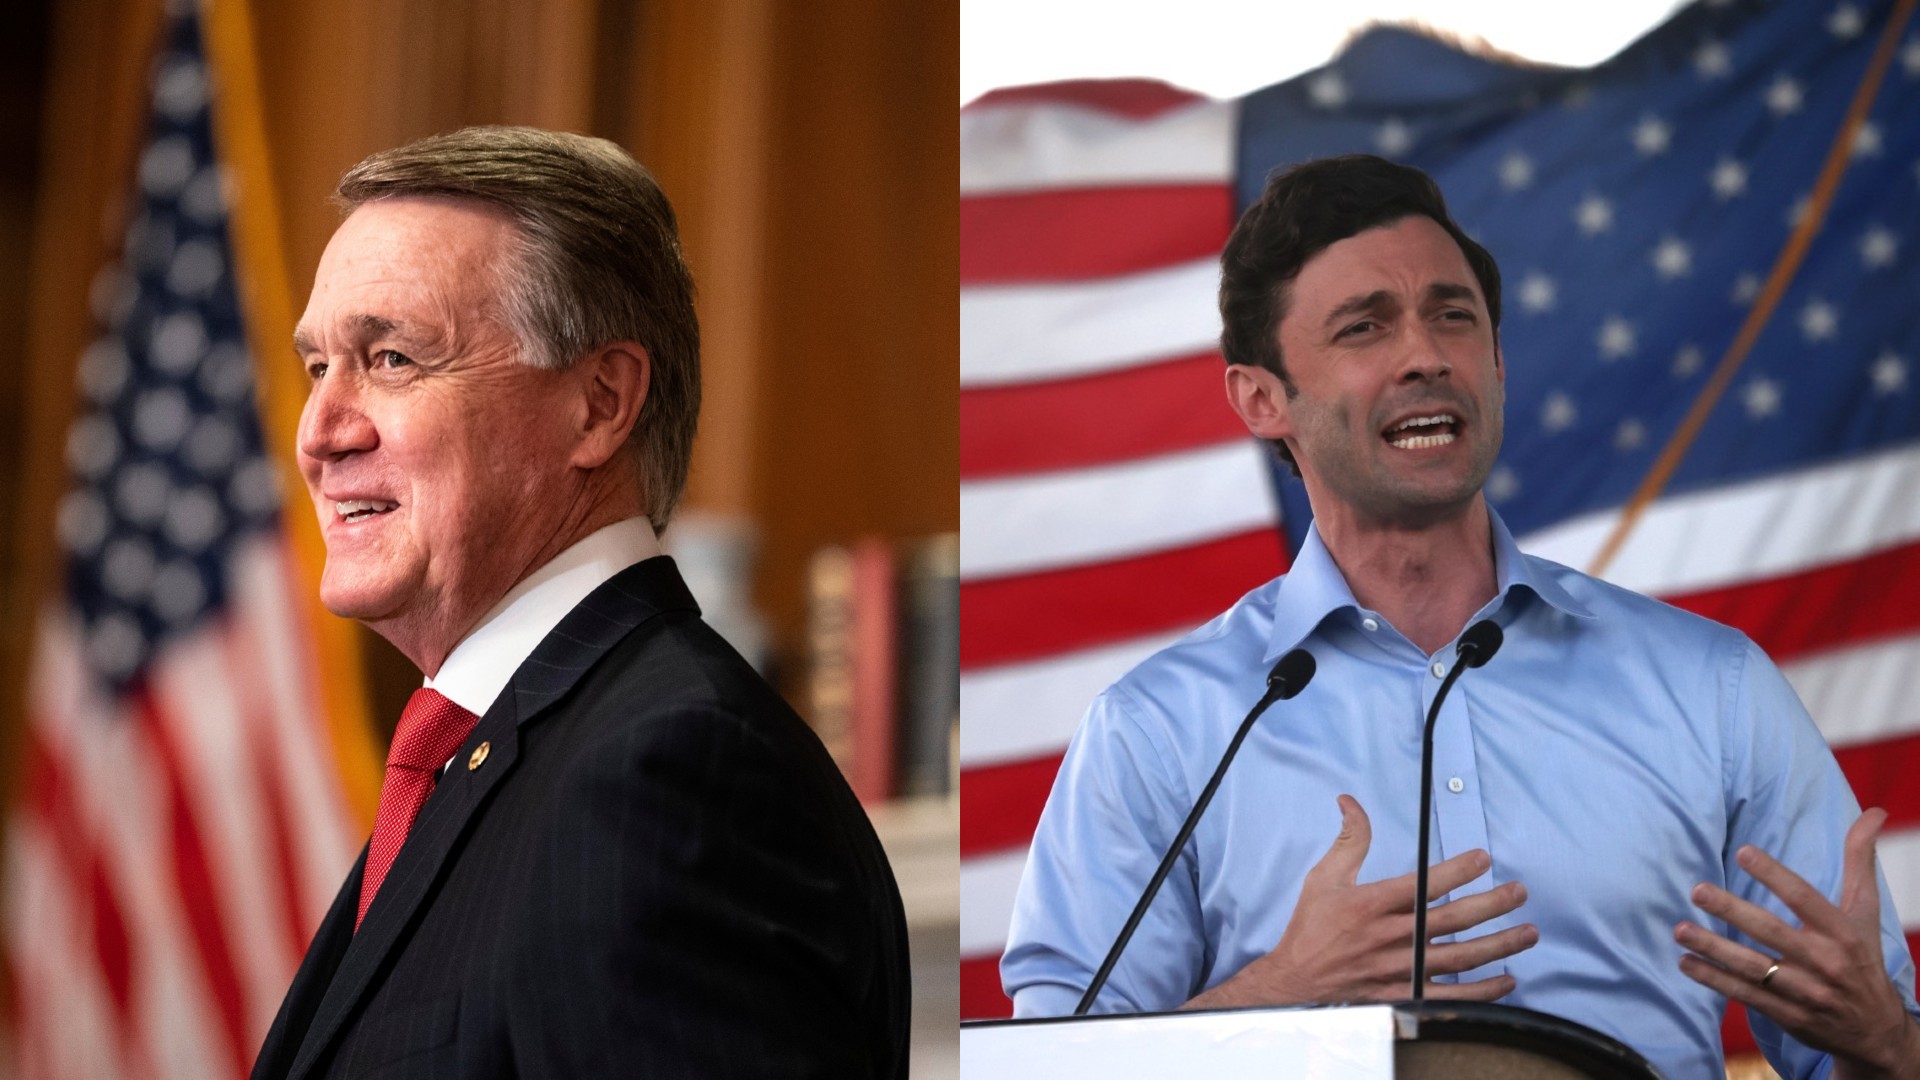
(1120, 415)
(1003, 803)
(1769, 527)
(1017, 711)
(1028, 146)
(1032, 333)
(987, 886)
(193, 879)
(1848, 603)
(1140, 99)
(1038, 236)
(1863, 693)
(1882, 775)
(1009, 619)
(1056, 520)
(980, 995)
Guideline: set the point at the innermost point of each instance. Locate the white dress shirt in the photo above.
(480, 665)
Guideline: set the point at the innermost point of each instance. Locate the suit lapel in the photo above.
(594, 626)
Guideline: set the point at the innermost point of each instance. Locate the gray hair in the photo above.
(599, 262)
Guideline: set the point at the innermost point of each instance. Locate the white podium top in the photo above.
(1242, 1044)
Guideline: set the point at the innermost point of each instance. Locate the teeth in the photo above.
(354, 509)
(1426, 421)
(1422, 442)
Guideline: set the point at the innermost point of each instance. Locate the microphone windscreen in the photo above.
(1291, 674)
(1480, 642)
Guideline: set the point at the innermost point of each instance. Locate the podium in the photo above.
(1429, 1040)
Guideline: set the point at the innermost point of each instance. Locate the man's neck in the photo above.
(1427, 581)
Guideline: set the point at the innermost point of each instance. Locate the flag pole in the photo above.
(266, 297)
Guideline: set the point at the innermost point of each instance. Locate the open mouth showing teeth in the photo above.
(1422, 432)
(361, 509)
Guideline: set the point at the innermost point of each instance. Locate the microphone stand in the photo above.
(1477, 645)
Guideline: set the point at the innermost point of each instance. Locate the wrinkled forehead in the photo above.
(1407, 260)
(407, 262)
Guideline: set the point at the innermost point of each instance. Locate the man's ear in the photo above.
(613, 386)
(1260, 398)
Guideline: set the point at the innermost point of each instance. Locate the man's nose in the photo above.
(334, 423)
(1423, 358)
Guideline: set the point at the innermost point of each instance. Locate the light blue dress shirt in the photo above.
(1615, 752)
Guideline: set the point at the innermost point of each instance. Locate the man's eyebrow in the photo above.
(1450, 290)
(360, 327)
(1355, 305)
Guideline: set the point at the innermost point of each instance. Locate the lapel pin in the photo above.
(479, 756)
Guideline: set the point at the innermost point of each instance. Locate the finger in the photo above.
(1751, 994)
(1442, 878)
(1492, 989)
(1470, 911)
(1454, 957)
(1753, 920)
(1342, 861)
(1814, 909)
(1859, 885)
(1749, 964)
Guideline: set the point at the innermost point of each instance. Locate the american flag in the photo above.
(1642, 212)
(182, 827)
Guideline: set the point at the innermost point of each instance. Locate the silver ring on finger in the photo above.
(1772, 970)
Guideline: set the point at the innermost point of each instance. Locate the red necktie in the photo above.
(431, 729)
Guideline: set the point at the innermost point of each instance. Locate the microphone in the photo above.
(1287, 678)
(1477, 646)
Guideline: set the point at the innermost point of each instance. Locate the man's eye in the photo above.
(315, 370)
(387, 358)
(1360, 327)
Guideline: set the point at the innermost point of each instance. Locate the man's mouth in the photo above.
(1423, 432)
(353, 510)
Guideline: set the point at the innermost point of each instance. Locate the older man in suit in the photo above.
(604, 846)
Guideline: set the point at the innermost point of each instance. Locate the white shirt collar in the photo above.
(480, 665)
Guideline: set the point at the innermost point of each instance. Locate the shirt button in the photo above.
(1371, 624)
(1439, 670)
(1456, 785)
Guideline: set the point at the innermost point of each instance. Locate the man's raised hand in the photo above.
(1349, 942)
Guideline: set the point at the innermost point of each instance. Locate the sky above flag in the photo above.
(1225, 48)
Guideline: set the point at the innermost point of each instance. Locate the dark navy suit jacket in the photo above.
(657, 871)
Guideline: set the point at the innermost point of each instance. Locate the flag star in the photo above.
(1394, 137)
(1651, 136)
(1819, 321)
(1503, 484)
(1537, 292)
(1889, 374)
(1910, 58)
(1846, 22)
(1728, 178)
(1878, 247)
(1866, 140)
(1516, 171)
(1798, 211)
(1746, 288)
(1328, 90)
(1594, 214)
(1713, 60)
(1762, 398)
(1629, 435)
(1578, 96)
(1558, 414)
(1616, 338)
(1784, 96)
(1673, 258)
(1688, 361)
